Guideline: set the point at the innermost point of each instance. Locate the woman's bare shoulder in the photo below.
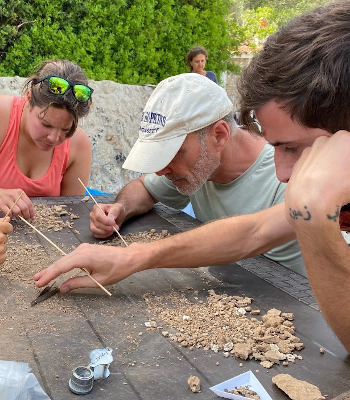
(5, 112)
(80, 137)
(6, 103)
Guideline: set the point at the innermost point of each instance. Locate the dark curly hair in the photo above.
(193, 53)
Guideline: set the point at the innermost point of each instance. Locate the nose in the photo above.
(283, 166)
(54, 135)
(164, 171)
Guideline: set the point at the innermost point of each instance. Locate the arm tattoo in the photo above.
(335, 216)
(296, 214)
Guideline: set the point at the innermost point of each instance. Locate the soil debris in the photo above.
(139, 237)
(49, 217)
(219, 324)
(244, 391)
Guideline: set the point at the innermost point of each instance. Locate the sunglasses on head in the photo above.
(59, 85)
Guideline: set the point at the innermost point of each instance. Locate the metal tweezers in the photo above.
(45, 294)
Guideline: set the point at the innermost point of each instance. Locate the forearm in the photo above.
(327, 261)
(135, 198)
(222, 241)
(219, 242)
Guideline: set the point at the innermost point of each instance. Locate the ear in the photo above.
(219, 135)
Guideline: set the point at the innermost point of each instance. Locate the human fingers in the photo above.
(102, 224)
(24, 208)
(77, 282)
(5, 228)
(8, 199)
(73, 260)
(97, 260)
(324, 167)
(106, 264)
(23, 205)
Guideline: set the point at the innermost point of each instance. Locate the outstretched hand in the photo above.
(106, 264)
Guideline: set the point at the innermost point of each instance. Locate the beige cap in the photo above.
(179, 105)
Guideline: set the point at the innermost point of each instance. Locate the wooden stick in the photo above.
(62, 252)
(8, 212)
(115, 229)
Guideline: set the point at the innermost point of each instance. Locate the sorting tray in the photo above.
(245, 379)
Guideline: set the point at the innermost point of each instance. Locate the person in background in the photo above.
(43, 151)
(5, 229)
(196, 59)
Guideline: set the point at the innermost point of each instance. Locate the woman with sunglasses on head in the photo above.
(43, 151)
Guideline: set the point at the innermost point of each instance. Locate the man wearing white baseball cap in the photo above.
(192, 151)
(179, 105)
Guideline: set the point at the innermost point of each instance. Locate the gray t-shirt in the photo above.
(256, 189)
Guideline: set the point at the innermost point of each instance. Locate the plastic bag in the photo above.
(18, 383)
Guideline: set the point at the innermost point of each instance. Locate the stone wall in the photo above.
(112, 126)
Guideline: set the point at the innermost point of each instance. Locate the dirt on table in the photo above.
(244, 391)
(49, 217)
(139, 237)
(194, 384)
(26, 256)
(226, 324)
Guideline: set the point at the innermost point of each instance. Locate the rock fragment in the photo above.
(297, 389)
(194, 384)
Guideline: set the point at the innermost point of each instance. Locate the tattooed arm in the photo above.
(318, 188)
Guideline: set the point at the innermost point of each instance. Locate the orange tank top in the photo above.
(12, 177)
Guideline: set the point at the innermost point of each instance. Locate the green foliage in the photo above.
(129, 41)
(256, 19)
(258, 24)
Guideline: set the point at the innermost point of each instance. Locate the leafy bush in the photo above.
(256, 19)
(128, 41)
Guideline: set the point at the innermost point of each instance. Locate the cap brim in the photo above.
(148, 156)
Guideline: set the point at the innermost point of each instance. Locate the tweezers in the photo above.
(45, 294)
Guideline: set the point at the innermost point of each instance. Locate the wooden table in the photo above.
(147, 365)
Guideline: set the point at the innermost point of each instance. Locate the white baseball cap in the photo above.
(179, 105)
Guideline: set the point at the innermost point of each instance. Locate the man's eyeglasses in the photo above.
(59, 85)
(254, 122)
